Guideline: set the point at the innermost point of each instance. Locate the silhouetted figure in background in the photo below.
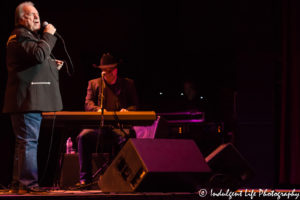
(190, 100)
(193, 102)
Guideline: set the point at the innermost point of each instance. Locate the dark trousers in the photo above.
(95, 140)
(26, 127)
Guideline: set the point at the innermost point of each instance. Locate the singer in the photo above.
(32, 87)
(119, 94)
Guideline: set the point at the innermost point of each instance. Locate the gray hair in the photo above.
(19, 13)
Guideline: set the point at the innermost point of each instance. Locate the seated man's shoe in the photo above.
(83, 185)
(36, 190)
(13, 190)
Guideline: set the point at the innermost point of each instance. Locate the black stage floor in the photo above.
(97, 194)
(203, 194)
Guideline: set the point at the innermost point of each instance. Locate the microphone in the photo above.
(45, 23)
(103, 73)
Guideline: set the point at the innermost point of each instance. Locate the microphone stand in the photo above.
(101, 99)
(105, 165)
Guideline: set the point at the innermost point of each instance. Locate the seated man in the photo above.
(116, 94)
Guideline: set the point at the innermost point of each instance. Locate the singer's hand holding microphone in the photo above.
(49, 28)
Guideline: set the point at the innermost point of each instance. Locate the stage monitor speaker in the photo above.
(156, 165)
(229, 168)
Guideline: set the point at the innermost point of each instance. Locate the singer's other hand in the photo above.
(59, 63)
(50, 29)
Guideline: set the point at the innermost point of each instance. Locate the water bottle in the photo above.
(69, 146)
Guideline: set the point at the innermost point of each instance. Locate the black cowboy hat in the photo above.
(107, 61)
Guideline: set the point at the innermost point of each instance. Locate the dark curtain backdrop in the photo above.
(222, 39)
(290, 111)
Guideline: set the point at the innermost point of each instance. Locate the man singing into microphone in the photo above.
(119, 94)
(32, 87)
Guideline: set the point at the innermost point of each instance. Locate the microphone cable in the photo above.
(66, 51)
(45, 23)
(49, 150)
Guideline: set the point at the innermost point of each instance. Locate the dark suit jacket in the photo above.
(32, 83)
(121, 95)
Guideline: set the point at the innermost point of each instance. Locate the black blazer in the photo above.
(32, 83)
(121, 95)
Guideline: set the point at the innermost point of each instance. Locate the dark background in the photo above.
(232, 49)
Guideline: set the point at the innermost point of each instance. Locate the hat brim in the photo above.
(111, 66)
